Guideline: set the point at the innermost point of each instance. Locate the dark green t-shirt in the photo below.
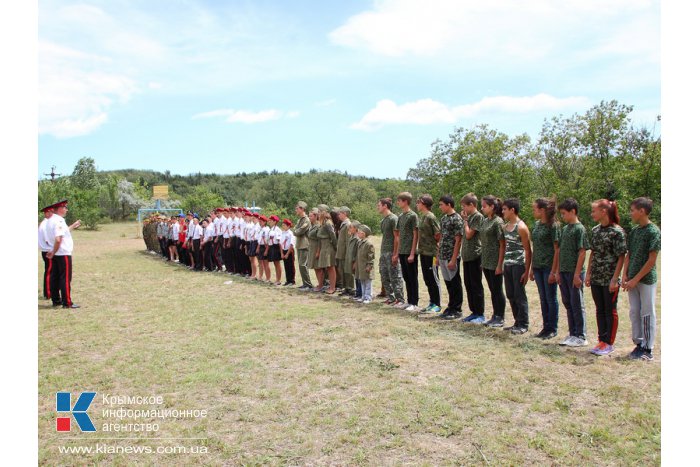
(471, 249)
(544, 236)
(491, 236)
(428, 227)
(408, 221)
(607, 245)
(573, 238)
(387, 227)
(643, 240)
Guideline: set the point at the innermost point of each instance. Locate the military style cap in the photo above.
(344, 209)
(323, 207)
(314, 211)
(365, 229)
(302, 205)
(63, 202)
(355, 224)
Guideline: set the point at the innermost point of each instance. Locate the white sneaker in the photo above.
(566, 341)
(578, 342)
(411, 308)
(365, 301)
(401, 305)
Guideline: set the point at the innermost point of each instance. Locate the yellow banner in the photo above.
(160, 192)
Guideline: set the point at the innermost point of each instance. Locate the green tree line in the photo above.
(593, 155)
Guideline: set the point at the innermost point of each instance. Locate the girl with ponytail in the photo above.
(608, 249)
(493, 248)
(545, 263)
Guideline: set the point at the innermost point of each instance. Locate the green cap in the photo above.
(365, 229)
(302, 205)
(323, 207)
(355, 224)
(345, 210)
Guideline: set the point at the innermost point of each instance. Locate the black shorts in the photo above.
(275, 254)
(262, 256)
(172, 242)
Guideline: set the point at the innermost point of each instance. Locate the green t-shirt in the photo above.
(643, 240)
(573, 238)
(607, 245)
(491, 236)
(451, 225)
(408, 221)
(471, 249)
(387, 227)
(544, 236)
(428, 227)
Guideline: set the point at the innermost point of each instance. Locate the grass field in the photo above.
(289, 377)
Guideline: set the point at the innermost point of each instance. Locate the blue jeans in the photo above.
(548, 299)
(573, 301)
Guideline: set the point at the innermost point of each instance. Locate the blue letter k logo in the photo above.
(79, 410)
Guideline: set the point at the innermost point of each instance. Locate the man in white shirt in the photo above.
(208, 243)
(61, 254)
(45, 247)
(174, 233)
(197, 233)
(227, 253)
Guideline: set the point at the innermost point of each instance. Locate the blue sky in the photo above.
(357, 86)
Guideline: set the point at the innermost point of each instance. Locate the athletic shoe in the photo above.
(365, 302)
(436, 309)
(606, 349)
(636, 354)
(78, 306)
(359, 299)
(451, 315)
(427, 308)
(495, 323)
(480, 319)
(517, 330)
(566, 341)
(411, 308)
(470, 317)
(578, 342)
(540, 334)
(647, 355)
(400, 304)
(509, 328)
(549, 335)
(597, 348)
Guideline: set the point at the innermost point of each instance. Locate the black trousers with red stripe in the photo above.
(61, 275)
(605, 312)
(47, 274)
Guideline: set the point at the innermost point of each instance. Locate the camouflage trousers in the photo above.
(392, 281)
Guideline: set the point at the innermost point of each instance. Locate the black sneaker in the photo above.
(494, 323)
(636, 354)
(647, 355)
(453, 314)
(518, 330)
(540, 334)
(549, 335)
(509, 328)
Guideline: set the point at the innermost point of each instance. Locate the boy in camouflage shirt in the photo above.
(639, 278)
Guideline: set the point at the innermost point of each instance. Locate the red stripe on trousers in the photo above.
(68, 281)
(613, 331)
(48, 278)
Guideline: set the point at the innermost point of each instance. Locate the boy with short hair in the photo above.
(572, 254)
(405, 249)
(639, 278)
(388, 269)
(428, 238)
(351, 257)
(451, 228)
(471, 258)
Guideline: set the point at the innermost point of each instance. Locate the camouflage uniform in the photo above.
(392, 281)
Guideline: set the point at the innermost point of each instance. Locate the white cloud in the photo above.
(75, 93)
(247, 116)
(502, 29)
(429, 111)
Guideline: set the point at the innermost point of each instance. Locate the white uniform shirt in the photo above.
(175, 233)
(226, 232)
(190, 229)
(197, 232)
(274, 236)
(44, 244)
(57, 227)
(287, 239)
(209, 232)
